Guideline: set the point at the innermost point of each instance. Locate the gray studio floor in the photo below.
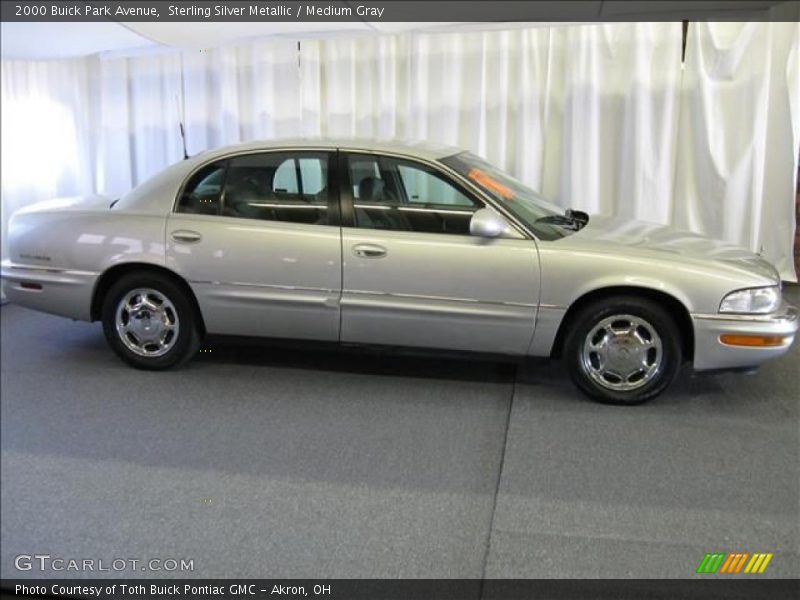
(257, 461)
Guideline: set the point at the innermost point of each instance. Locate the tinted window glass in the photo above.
(402, 195)
(312, 175)
(425, 188)
(286, 177)
(278, 186)
(202, 192)
(362, 167)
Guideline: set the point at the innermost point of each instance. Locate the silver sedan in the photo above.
(392, 244)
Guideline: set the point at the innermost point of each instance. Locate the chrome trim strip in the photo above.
(17, 267)
(288, 288)
(372, 206)
(414, 209)
(444, 211)
(293, 288)
(278, 205)
(789, 315)
(439, 298)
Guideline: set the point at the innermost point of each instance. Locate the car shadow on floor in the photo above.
(549, 374)
(356, 359)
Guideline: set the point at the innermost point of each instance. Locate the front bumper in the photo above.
(711, 353)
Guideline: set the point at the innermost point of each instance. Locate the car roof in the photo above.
(420, 149)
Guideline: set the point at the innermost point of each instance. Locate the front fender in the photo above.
(569, 273)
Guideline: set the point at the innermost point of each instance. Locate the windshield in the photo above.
(544, 218)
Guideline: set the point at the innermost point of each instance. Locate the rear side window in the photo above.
(201, 196)
(273, 186)
(278, 186)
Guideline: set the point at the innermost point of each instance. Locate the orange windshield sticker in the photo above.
(486, 181)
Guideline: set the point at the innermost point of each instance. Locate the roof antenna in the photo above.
(180, 125)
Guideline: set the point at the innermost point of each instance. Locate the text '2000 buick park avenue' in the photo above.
(404, 245)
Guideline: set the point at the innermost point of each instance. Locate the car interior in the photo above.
(388, 194)
(289, 189)
(401, 196)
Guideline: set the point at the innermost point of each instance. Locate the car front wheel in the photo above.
(623, 350)
(149, 321)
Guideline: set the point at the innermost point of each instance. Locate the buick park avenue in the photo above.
(390, 244)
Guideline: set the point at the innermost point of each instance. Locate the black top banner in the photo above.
(464, 11)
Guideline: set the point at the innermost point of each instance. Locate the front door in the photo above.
(257, 237)
(412, 273)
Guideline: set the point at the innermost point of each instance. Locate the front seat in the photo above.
(372, 190)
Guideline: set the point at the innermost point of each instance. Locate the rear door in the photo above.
(257, 237)
(412, 273)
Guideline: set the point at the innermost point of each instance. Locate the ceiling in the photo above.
(34, 41)
(59, 40)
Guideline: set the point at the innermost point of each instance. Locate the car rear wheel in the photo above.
(623, 350)
(149, 321)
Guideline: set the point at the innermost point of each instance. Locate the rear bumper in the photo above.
(711, 353)
(63, 292)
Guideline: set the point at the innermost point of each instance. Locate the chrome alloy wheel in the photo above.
(147, 322)
(622, 353)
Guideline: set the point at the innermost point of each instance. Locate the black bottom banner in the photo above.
(403, 589)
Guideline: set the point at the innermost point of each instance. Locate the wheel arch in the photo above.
(675, 307)
(112, 274)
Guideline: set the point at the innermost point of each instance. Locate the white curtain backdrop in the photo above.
(47, 149)
(740, 136)
(242, 93)
(355, 88)
(599, 117)
(137, 132)
(614, 119)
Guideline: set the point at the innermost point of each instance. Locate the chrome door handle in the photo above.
(186, 236)
(369, 251)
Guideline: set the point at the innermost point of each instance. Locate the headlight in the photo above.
(754, 300)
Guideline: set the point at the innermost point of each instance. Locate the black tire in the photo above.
(182, 346)
(585, 371)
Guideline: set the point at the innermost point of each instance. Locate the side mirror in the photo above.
(487, 223)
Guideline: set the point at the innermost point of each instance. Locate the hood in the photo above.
(668, 240)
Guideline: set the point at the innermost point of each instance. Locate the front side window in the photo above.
(423, 187)
(361, 168)
(402, 195)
